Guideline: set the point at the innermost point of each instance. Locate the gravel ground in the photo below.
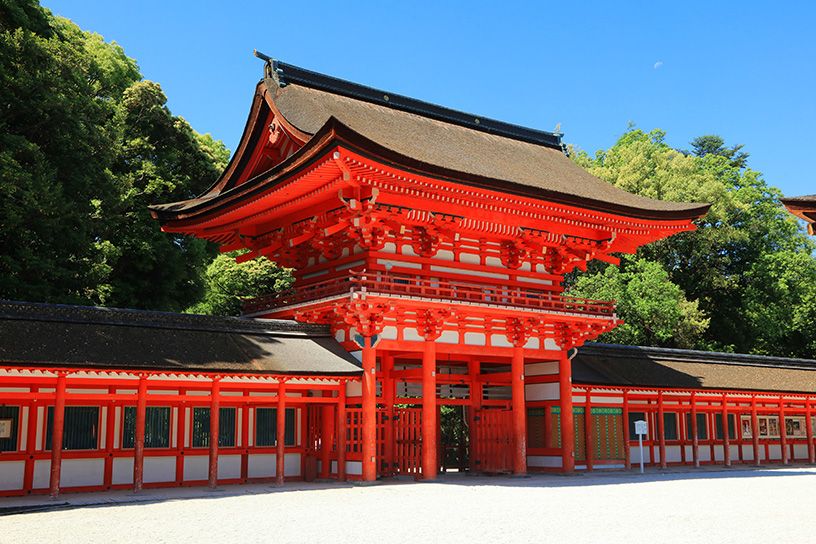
(707, 506)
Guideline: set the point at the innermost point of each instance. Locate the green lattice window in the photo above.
(157, 427)
(266, 427)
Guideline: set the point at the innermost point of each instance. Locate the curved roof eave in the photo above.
(334, 132)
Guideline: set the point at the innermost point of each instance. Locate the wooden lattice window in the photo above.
(702, 427)
(80, 428)
(201, 427)
(266, 427)
(536, 427)
(10, 419)
(157, 427)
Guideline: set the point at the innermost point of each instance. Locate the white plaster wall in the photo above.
(474, 339)
(354, 468)
(160, 469)
(261, 465)
(672, 454)
(196, 467)
(291, 464)
(448, 337)
(354, 389)
(229, 466)
(541, 369)
(500, 340)
(775, 451)
(549, 343)
(470, 258)
(389, 333)
(11, 475)
(82, 472)
(42, 473)
(747, 452)
(123, 470)
(734, 452)
(544, 461)
(801, 451)
(541, 391)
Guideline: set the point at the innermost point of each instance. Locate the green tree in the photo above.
(85, 145)
(714, 265)
(229, 284)
(711, 144)
(655, 311)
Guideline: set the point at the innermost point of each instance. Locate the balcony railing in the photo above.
(411, 286)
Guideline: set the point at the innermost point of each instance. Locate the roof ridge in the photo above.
(715, 357)
(69, 313)
(285, 74)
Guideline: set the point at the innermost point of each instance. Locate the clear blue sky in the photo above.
(746, 71)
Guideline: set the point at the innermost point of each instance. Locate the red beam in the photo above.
(519, 412)
(567, 418)
(369, 433)
(280, 436)
(139, 438)
(429, 453)
(56, 436)
(215, 409)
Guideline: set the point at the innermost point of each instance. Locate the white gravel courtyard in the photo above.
(706, 506)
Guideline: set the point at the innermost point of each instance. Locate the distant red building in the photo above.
(803, 207)
(429, 245)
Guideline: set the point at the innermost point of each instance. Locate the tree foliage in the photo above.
(731, 266)
(228, 284)
(654, 309)
(85, 145)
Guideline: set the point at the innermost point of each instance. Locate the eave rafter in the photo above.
(562, 236)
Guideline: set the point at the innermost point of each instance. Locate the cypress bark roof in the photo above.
(607, 364)
(450, 140)
(80, 336)
(438, 142)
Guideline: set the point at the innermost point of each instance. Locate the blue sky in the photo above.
(745, 70)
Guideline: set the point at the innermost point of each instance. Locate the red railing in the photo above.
(415, 286)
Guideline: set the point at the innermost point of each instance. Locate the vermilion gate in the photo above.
(492, 445)
(408, 440)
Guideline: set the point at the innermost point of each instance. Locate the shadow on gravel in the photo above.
(539, 480)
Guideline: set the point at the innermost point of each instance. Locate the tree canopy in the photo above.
(85, 145)
(746, 271)
(229, 283)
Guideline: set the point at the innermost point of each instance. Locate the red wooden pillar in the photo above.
(809, 432)
(215, 413)
(181, 431)
(567, 419)
(280, 435)
(661, 429)
(589, 430)
(695, 441)
(56, 436)
(627, 462)
(341, 431)
(389, 394)
(519, 411)
(429, 421)
(326, 437)
(369, 433)
(474, 372)
(31, 444)
(110, 428)
(139, 435)
(755, 430)
(783, 432)
(245, 440)
(726, 439)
